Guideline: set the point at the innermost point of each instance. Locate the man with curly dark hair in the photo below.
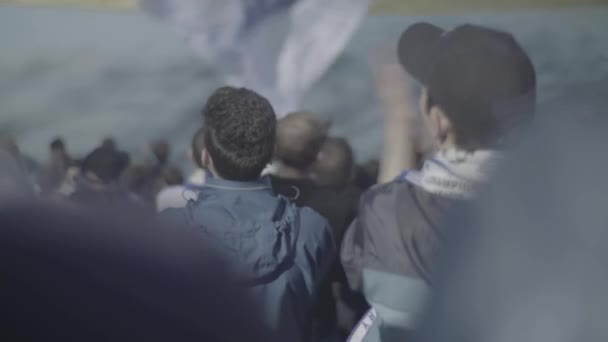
(281, 252)
(240, 128)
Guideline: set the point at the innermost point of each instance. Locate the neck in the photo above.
(448, 143)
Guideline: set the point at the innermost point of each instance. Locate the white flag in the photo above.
(279, 48)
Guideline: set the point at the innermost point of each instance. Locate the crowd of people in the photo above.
(324, 249)
(153, 183)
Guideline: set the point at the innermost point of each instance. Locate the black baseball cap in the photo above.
(481, 77)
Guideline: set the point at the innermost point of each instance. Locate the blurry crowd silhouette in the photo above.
(153, 183)
(476, 223)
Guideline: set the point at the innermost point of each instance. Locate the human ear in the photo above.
(425, 102)
(441, 125)
(206, 159)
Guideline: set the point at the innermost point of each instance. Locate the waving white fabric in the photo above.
(279, 48)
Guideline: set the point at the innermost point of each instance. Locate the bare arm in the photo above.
(399, 151)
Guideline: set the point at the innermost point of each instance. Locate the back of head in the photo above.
(14, 184)
(105, 165)
(109, 143)
(57, 145)
(335, 163)
(136, 178)
(8, 144)
(240, 128)
(172, 176)
(299, 138)
(59, 159)
(162, 151)
(197, 146)
(72, 275)
(481, 78)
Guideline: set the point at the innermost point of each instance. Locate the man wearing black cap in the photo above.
(478, 86)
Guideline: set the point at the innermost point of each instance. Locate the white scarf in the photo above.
(198, 177)
(454, 173)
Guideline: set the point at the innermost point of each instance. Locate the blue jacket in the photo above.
(281, 252)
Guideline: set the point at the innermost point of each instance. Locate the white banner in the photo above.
(279, 48)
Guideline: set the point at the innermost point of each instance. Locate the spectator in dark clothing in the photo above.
(161, 154)
(8, 145)
(74, 172)
(53, 174)
(98, 182)
(14, 184)
(300, 137)
(28, 166)
(161, 150)
(335, 163)
(366, 175)
(136, 180)
(479, 86)
(160, 163)
(281, 252)
(109, 143)
(177, 196)
(71, 275)
(334, 169)
(172, 176)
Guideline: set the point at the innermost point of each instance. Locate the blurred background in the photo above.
(85, 69)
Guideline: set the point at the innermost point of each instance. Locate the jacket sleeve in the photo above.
(368, 237)
(351, 254)
(320, 250)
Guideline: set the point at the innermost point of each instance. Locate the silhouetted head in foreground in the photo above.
(240, 128)
(68, 276)
(527, 261)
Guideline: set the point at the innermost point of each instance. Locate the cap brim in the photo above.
(417, 49)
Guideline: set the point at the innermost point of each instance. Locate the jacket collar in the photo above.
(228, 185)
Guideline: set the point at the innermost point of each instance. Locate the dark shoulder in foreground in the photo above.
(312, 224)
(176, 217)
